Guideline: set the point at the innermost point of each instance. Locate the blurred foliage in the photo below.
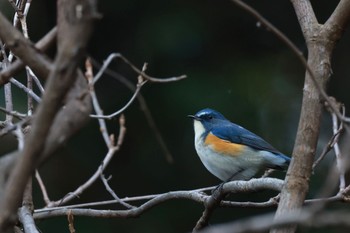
(233, 66)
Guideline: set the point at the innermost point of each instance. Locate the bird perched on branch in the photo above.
(231, 152)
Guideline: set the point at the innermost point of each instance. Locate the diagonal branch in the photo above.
(43, 44)
(339, 19)
(61, 78)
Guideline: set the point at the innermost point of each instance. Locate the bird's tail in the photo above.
(277, 161)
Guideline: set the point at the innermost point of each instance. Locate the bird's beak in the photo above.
(193, 117)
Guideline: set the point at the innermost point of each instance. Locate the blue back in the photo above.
(217, 124)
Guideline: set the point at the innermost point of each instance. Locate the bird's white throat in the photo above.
(198, 130)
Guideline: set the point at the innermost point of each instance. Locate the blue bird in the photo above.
(231, 152)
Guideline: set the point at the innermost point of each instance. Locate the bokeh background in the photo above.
(233, 66)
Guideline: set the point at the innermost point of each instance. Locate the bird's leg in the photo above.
(218, 188)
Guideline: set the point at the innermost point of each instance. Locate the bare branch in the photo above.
(42, 187)
(114, 195)
(264, 222)
(252, 185)
(26, 218)
(140, 83)
(70, 218)
(339, 19)
(16, 66)
(70, 196)
(61, 79)
(26, 90)
(295, 49)
(23, 48)
(14, 113)
(103, 127)
(146, 111)
(133, 67)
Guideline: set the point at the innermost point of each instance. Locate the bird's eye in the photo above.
(210, 117)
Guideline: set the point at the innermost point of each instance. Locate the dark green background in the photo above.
(232, 65)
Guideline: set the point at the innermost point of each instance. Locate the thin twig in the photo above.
(103, 127)
(42, 187)
(70, 218)
(16, 114)
(133, 67)
(327, 148)
(140, 83)
(144, 108)
(26, 90)
(338, 155)
(70, 196)
(114, 195)
(36, 80)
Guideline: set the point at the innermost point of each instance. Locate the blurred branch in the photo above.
(264, 222)
(62, 77)
(15, 67)
(13, 113)
(22, 48)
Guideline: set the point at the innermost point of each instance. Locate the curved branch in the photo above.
(253, 185)
(134, 68)
(340, 18)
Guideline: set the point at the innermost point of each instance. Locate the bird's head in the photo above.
(206, 119)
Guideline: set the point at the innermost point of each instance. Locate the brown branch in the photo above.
(320, 41)
(76, 29)
(305, 7)
(338, 21)
(264, 222)
(15, 67)
(318, 72)
(25, 213)
(23, 48)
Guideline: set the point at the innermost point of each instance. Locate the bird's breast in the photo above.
(224, 147)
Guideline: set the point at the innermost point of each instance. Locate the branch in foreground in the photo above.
(62, 77)
(265, 222)
(15, 67)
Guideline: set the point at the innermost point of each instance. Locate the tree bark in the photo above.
(320, 40)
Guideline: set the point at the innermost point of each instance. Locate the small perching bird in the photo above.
(231, 152)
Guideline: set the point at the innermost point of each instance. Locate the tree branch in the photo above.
(252, 185)
(73, 26)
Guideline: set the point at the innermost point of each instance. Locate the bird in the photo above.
(231, 152)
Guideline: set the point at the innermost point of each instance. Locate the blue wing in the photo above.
(237, 134)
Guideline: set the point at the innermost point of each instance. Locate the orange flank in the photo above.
(223, 146)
